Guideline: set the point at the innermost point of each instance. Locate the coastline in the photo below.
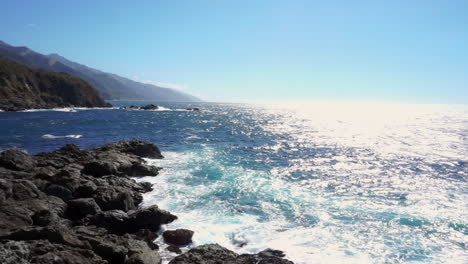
(83, 206)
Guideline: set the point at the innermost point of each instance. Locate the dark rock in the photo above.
(44, 218)
(193, 109)
(86, 189)
(174, 249)
(149, 218)
(82, 207)
(140, 253)
(178, 237)
(206, 254)
(149, 107)
(114, 220)
(45, 252)
(15, 159)
(100, 168)
(271, 253)
(139, 169)
(148, 236)
(114, 198)
(136, 147)
(17, 214)
(24, 190)
(59, 191)
(214, 254)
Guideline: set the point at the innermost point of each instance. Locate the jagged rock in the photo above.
(140, 253)
(114, 220)
(16, 159)
(45, 252)
(115, 198)
(59, 191)
(214, 254)
(148, 236)
(136, 147)
(139, 169)
(178, 237)
(149, 107)
(82, 207)
(86, 189)
(174, 249)
(100, 168)
(205, 254)
(149, 218)
(44, 218)
(267, 256)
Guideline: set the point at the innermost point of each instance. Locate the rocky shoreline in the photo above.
(82, 206)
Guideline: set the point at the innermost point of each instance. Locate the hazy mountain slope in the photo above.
(110, 86)
(22, 87)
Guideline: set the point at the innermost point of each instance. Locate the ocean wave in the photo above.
(69, 109)
(49, 136)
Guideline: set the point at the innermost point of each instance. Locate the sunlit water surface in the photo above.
(325, 182)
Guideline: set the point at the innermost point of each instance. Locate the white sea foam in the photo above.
(49, 136)
(69, 109)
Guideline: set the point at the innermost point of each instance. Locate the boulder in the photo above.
(206, 254)
(174, 249)
(178, 237)
(58, 190)
(79, 208)
(16, 159)
(149, 218)
(115, 198)
(140, 253)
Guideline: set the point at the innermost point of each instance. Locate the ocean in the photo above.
(326, 182)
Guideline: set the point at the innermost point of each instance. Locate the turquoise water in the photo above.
(325, 182)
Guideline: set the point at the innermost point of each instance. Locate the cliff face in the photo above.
(25, 88)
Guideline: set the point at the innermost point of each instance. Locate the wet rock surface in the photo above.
(214, 254)
(178, 237)
(79, 206)
(145, 107)
(82, 206)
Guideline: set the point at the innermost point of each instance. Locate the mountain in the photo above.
(111, 86)
(22, 87)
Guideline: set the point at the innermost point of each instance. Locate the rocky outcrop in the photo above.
(145, 107)
(149, 107)
(214, 254)
(26, 88)
(82, 206)
(79, 206)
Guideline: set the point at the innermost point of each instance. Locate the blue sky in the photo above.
(253, 50)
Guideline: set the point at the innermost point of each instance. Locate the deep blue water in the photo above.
(326, 182)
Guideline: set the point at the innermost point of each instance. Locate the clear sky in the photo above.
(254, 50)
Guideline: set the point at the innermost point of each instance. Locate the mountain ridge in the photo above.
(22, 87)
(111, 86)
